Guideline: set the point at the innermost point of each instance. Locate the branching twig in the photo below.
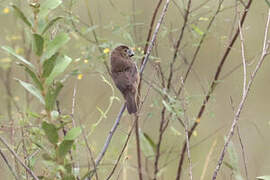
(187, 137)
(9, 166)
(18, 159)
(212, 88)
(122, 151)
(199, 47)
(244, 97)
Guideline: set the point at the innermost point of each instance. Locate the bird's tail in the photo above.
(131, 103)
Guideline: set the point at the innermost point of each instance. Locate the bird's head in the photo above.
(124, 51)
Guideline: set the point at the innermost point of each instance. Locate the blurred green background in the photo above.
(127, 22)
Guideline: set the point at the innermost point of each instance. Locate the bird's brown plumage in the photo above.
(125, 75)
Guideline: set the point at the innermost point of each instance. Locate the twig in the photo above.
(243, 58)
(76, 164)
(244, 92)
(19, 160)
(187, 137)
(178, 43)
(9, 166)
(244, 97)
(151, 29)
(212, 88)
(243, 151)
(208, 159)
(122, 151)
(199, 47)
(138, 146)
(89, 150)
(162, 122)
(109, 138)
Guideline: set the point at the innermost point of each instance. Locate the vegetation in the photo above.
(59, 103)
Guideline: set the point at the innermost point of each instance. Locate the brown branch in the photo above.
(162, 128)
(178, 43)
(199, 47)
(8, 164)
(122, 151)
(212, 88)
(18, 159)
(151, 29)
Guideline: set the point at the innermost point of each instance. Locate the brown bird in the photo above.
(125, 75)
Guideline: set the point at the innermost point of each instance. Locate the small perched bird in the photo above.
(125, 75)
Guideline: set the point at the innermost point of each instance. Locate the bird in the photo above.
(125, 75)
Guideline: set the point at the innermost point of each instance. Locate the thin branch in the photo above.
(187, 137)
(19, 160)
(122, 151)
(179, 43)
(162, 122)
(109, 138)
(151, 29)
(244, 97)
(243, 58)
(199, 47)
(9, 166)
(208, 159)
(212, 88)
(243, 151)
(76, 164)
(138, 146)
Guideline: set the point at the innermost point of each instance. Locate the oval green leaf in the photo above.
(54, 45)
(62, 63)
(73, 133)
(38, 43)
(51, 132)
(22, 59)
(21, 15)
(64, 148)
(33, 90)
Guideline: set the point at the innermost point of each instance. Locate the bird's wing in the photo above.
(123, 80)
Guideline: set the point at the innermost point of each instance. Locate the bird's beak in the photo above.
(130, 53)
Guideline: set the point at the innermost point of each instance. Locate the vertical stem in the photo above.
(138, 147)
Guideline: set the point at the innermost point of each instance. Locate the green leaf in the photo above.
(20, 14)
(60, 66)
(263, 177)
(52, 95)
(64, 148)
(47, 6)
(73, 133)
(48, 65)
(150, 141)
(234, 161)
(33, 76)
(147, 147)
(197, 30)
(50, 24)
(38, 43)
(13, 53)
(268, 3)
(33, 90)
(54, 45)
(51, 132)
